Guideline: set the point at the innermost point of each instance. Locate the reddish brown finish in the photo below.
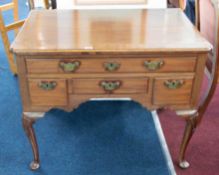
(181, 95)
(41, 97)
(91, 65)
(179, 56)
(93, 86)
(207, 22)
(29, 130)
(52, 33)
(209, 27)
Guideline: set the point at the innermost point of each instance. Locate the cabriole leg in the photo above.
(189, 130)
(28, 120)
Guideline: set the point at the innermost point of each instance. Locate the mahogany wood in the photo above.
(181, 95)
(29, 130)
(55, 32)
(163, 69)
(93, 86)
(189, 130)
(39, 96)
(208, 22)
(95, 65)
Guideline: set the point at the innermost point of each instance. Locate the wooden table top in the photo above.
(67, 31)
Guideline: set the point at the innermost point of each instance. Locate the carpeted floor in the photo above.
(98, 138)
(203, 152)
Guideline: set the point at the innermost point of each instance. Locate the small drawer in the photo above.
(172, 91)
(111, 65)
(48, 92)
(109, 86)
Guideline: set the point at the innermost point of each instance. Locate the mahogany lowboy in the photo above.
(64, 58)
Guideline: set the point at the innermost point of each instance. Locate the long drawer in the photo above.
(109, 86)
(118, 65)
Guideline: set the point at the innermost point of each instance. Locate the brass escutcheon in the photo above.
(153, 65)
(69, 66)
(47, 85)
(111, 66)
(174, 84)
(110, 86)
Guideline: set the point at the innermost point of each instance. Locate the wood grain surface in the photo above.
(69, 31)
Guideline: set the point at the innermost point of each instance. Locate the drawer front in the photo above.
(120, 65)
(171, 91)
(48, 92)
(109, 86)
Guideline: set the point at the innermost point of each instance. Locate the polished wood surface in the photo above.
(154, 57)
(94, 65)
(41, 97)
(209, 28)
(178, 96)
(207, 12)
(29, 130)
(148, 31)
(93, 86)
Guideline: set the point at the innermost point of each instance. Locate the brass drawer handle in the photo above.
(174, 84)
(110, 86)
(70, 66)
(111, 66)
(153, 65)
(47, 85)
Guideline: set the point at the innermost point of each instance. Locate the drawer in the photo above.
(109, 86)
(119, 65)
(48, 92)
(172, 91)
